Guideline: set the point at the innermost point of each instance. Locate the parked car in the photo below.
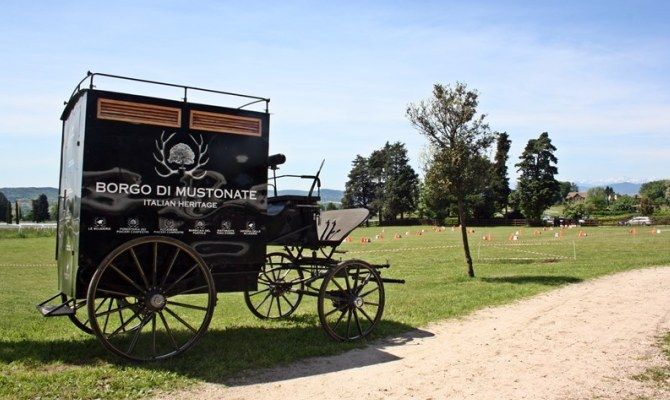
(639, 221)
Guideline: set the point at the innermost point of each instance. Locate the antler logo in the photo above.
(180, 157)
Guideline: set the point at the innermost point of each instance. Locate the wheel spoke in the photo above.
(187, 305)
(195, 289)
(181, 277)
(263, 302)
(288, 301)
(153, 335)
(114, 310)
(136, 336)
(369, 291)
(104, 329)
(366, 315)
(169, 269)
(178, 318)
(120, 328)
(333, 311)
(259, 292)
(337, 284)
(154, 266)
(279, 306)
(339, 319)
(348, 323)
(126, 278)
(169, 331)
(139, 268)
(358, 323)
(272, 299)
(346, 280)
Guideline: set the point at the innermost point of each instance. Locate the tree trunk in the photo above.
(464, 234)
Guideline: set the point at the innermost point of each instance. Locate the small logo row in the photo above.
(133, 225)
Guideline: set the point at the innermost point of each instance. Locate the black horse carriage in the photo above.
(164, 203)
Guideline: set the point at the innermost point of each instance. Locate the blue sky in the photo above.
(595, 76)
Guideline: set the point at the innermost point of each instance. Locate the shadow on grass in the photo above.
(533, 279)
(225, 353)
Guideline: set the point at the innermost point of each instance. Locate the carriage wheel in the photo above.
(277, 295)
(351, 301)
(150, 299)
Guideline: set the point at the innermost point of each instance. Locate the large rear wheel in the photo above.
(151, 298)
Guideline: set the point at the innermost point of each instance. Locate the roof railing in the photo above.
(91, 75)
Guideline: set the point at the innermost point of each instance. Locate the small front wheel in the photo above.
(280, 286)
(351, 301)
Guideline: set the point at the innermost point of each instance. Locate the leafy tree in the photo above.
(515, 205)
(577, 210)
(4, 206)
(624, 204)
(17, 212)
(359, 190)
(8, 214)
(460, 136)
(500, 182)
(537, 185)
(434, 202)
(401, 186)
(597, 198)
(331, 206)
(646, 206)
(655, 191)
(40, 208)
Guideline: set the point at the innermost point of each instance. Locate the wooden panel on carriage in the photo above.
(150, 166)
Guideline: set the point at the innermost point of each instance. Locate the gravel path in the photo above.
(582, 341)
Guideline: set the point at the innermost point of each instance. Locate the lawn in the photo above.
(50, 358)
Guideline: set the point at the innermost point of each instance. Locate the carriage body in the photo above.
(136, 166)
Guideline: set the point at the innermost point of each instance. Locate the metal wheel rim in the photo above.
(164, 277)
(269, 302)
(351, 301)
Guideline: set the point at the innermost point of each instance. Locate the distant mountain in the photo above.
(629, 188)
(25, 194)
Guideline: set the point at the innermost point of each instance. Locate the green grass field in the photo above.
(50, 358)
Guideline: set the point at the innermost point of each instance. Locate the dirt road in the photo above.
(582, 341)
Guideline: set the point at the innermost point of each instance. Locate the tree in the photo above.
(537, 186)
(4, 206)
(460, 136)
(655, 191)
(624, 204)
(359, 190)
(331, 206)
(597, 198)
(8, 214)
(401, 186)
(500, 182)
(40, 208)
(646, 206)
(17, 212)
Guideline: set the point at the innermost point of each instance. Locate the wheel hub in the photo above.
(157, 301)
(358, 302)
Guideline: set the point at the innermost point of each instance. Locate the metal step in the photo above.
(55, 310)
